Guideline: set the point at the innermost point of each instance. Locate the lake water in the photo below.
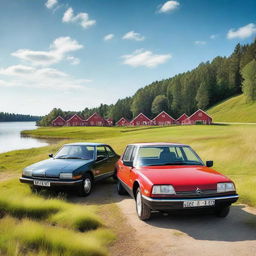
(10, 138)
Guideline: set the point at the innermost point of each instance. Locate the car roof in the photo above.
(86, 144)
(157, 144)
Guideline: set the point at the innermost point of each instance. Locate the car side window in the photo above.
(128, 153)
(101, 153)
(133, 153)
(110, 151)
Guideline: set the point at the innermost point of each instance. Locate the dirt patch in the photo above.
(178, 235)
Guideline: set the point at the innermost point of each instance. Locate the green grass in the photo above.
(56, 211)
(48, 226)
(232, 147)
(234, 110)
(87, 133)
(29, 236)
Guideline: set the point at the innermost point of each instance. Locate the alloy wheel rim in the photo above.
(87, 185)
(138, 203)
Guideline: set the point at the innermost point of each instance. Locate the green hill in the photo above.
(234, 110)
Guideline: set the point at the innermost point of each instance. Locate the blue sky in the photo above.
(77, 54)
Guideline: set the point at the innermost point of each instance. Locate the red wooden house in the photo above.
(163, 119)
(181, 118)
(96, 120)
(110, 121)
(76, 120)
(58, 121)
(199, 117)
(140, 119)
(123, 122)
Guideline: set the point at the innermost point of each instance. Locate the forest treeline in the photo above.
(202, 87)
(11, 117)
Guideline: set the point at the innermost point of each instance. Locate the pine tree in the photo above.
(202, 96)
(249, 83)
(159, 104)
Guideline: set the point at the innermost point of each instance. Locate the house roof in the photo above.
(140, 114)
(163, 112)
(95, 113)
(58, 117)
(199, 110)
(183, 115)
(122, 118)
(76, 116)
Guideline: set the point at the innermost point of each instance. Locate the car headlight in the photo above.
(163, 190)
(27, 172)
(225, 187)
(66, 175)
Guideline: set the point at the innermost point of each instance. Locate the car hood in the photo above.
(183, 177)
(52, 167)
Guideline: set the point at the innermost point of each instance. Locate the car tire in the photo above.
(120, 189)
(143, 211)
(85, 188)
(222, 212)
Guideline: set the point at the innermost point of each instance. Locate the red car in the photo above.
(168, 176)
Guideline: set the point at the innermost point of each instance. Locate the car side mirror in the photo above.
(128, 163)
(209, 163)
(51, 155)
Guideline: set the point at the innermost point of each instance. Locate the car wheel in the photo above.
(120, 189)
(222, 212)
(85, 188)
(143, 211)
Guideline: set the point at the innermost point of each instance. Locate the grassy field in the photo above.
(234, 110)
(232, 147)
(37, 224)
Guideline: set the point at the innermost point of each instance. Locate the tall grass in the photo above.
(17, 200)
(28, 236)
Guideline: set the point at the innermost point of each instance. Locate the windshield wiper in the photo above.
(70, 157)
(73, 157)
(176, 163)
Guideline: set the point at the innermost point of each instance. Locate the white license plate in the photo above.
(198, 203)
(42, 183)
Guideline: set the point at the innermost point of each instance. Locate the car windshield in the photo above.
(167, 155)
(75, 152)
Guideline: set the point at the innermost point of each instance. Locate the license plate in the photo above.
(198, 203)
(42, 183)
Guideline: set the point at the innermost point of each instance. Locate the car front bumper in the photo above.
(53, 183)
(167, 204)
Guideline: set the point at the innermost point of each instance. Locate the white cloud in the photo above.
(145, 58)
(73, 60)
(242, 32)
(57, 52)
(51, 3)
(131, 35)
(108, 37)
(200, 42)
(26, 76)
(169, 6)
(213, 36)
(81, 18)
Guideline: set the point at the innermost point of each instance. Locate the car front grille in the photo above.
(195, 193)
(40, 177)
